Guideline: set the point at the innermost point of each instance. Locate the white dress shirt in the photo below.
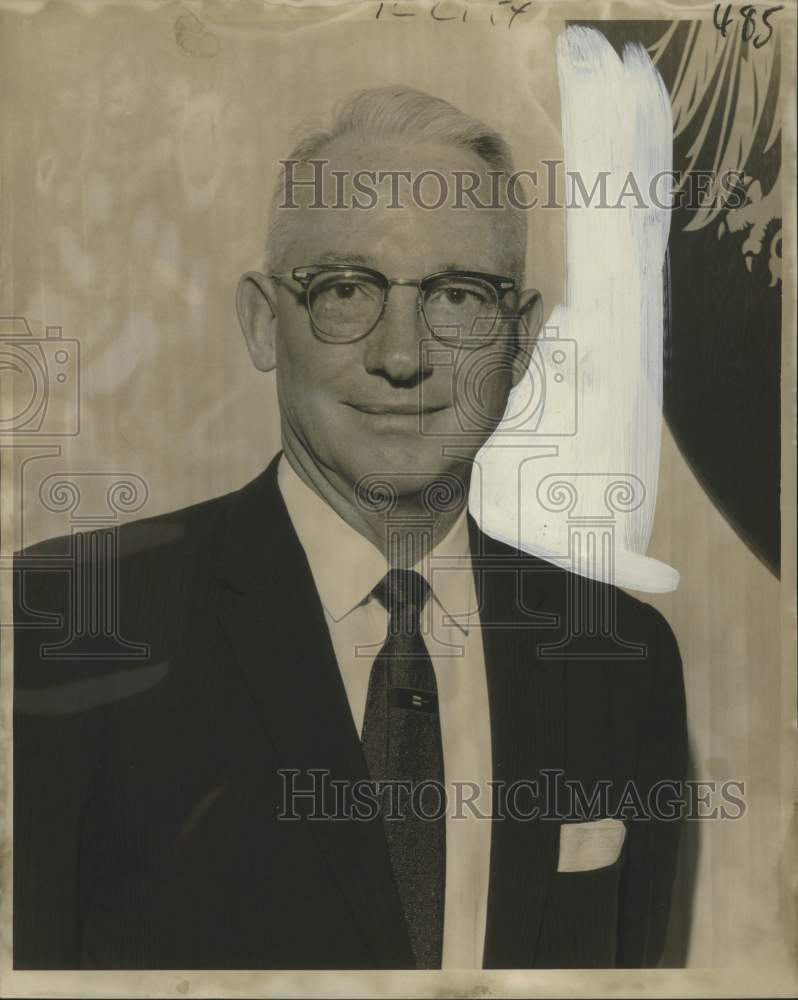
(346, 567)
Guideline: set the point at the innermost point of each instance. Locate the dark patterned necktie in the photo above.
(402, 742)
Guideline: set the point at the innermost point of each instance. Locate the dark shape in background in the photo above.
(723, 347)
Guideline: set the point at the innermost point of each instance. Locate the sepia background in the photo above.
(139, 150)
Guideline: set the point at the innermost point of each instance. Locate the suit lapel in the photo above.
(275, 624)
(527, 718)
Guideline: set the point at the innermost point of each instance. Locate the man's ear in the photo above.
(257, 314)
(530, 314)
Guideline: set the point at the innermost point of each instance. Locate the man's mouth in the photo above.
(396, 409)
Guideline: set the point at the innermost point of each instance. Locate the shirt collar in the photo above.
(346, 566)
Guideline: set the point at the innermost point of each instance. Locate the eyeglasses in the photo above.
(345, 303)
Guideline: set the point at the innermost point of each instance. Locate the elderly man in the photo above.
(348, 718)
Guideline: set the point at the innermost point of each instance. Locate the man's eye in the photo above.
(345, 291)
(457, 295)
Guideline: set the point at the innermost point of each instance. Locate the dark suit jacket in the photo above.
(166, 670)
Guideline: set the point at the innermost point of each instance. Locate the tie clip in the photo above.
(413, 699)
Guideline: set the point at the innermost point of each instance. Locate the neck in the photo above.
(405, 534)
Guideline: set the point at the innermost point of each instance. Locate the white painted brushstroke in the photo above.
(540, 486)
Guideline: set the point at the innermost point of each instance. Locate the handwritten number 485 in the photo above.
(750, 27)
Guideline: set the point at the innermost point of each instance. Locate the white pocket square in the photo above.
(587, 846)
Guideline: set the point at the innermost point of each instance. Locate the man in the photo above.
(311, 666)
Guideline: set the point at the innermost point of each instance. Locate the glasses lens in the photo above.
(455, 306)
(344, 305)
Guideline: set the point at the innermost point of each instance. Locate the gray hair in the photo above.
(398, 112)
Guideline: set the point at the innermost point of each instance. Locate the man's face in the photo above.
(393, 403)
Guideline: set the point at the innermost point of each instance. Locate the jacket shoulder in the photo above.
(172, 528)
(140, 576)
(562, 585)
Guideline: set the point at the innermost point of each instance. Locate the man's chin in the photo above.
(437, 487)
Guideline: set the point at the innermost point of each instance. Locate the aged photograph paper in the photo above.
(397, 439)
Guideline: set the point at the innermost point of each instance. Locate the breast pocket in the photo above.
(579, 927)
(588, 846)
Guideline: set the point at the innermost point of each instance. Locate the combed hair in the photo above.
(397, 112)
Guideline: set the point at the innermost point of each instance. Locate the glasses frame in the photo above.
(303, 276)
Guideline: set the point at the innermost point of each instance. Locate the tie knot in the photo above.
(403, 593)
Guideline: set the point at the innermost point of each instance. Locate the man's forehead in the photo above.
(380, 236)
(380, 199)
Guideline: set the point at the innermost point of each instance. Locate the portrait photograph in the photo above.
(397, 542)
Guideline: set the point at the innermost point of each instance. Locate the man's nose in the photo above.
(393, 348)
